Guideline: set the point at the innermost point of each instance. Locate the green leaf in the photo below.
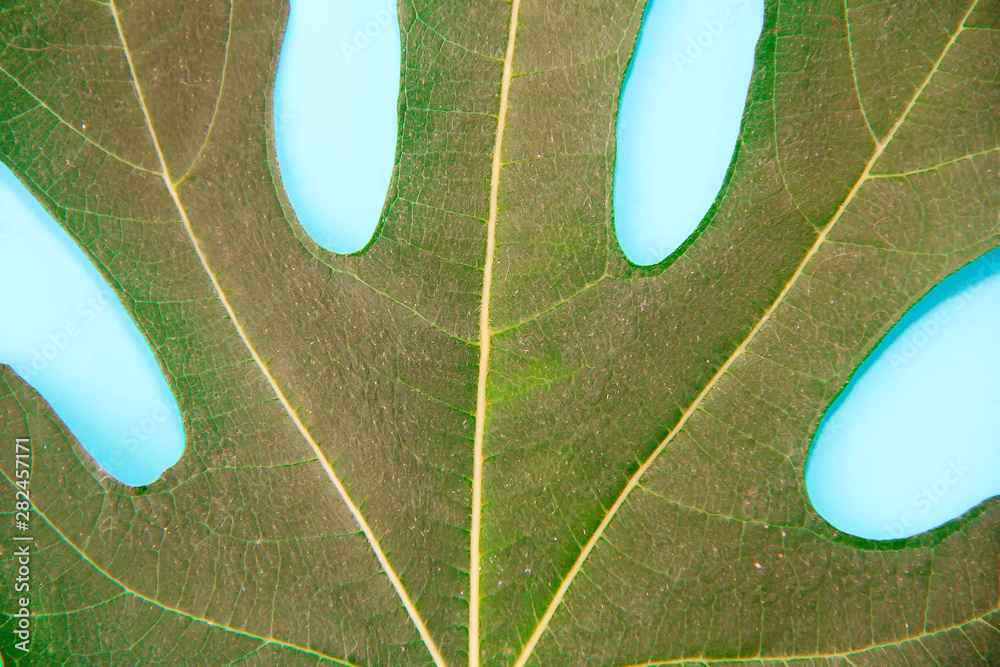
(488, 439)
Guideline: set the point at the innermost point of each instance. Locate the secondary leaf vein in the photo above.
(41, 103)
(230, 311)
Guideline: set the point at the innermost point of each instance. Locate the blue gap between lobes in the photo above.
(67, 335)
(912, 442)
(679, 119)
(335, 116)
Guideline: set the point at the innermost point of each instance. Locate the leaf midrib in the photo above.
(485, 340)
(355, 511)
(634, 481)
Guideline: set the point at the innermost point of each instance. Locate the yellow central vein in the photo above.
(320, 456)
(485, 337)
(633, 482)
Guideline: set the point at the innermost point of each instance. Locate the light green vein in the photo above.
(173, 610)
(841, 655)
(218, 99)
(937, 167)
(40, 102)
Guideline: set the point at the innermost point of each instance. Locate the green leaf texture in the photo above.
(488, 439)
